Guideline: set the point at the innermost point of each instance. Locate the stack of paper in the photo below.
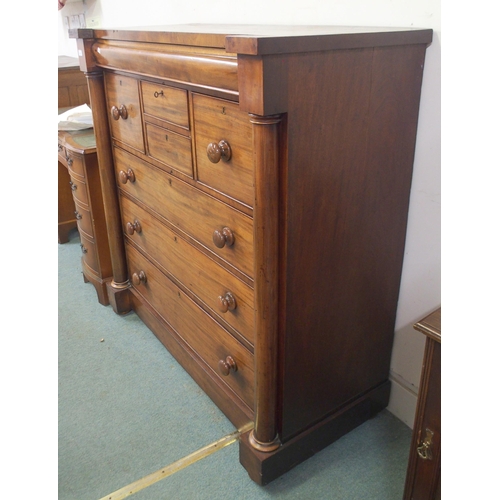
(78, 118)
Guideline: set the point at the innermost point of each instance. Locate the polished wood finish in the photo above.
(186, 209)
(263, 39)
(72, 84)
(423, 477)
(285, 195)
(174, 150)
(123, 101)
(203, 278)
(66, 210)
(204, 335)
(78, 163)
(118, 287)
(165, 103)
(264, 436)
(73, 91)
(223, 140)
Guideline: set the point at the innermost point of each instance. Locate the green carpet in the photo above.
(127, 409)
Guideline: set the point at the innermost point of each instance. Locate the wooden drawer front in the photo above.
(89, 252)
(79, 189)
(203, 334)
(166, 103)
(123, 91)
(200, 274)
(170, 148)
(84, 220)
(76, 164)
(195, 213)
(216, 120)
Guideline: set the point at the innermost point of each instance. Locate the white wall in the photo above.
(421, 283)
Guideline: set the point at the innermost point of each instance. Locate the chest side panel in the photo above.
(348, 193)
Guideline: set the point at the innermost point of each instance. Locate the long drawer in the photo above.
(229, 298)
(199, 215)
(202, 333)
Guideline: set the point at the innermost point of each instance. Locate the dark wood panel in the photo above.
(423, 476)
(345, 240)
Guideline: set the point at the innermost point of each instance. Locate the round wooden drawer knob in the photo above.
(126, 176)
(227, 302)
(216, 151)
(133, 227)
(138, 278)
(226, 366)
(122, 112)
(222, 238)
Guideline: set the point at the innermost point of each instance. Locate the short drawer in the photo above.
(79, 189)
(166, 103)
(89, 252)
(76, 165)
(124, 111)
(202, 333)
(223, 139)
(197, 214)
(230, 299)
(84, 220)
(170, 148)
(61, 151)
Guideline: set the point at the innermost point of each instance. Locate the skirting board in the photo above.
(403, 400)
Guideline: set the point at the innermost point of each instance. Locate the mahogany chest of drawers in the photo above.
(79, 175)
(256, 184)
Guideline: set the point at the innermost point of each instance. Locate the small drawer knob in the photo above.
(228, 365)
(126, 176)
(226, 302)
(122, 112)
(84, 249)
(217, 151)
(74, 187)
(70, 161)
(133, 227)
(222, 238)
(78, 215)
(138, 278)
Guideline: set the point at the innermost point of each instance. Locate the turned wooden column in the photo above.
(118, 287)
(266, 207)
